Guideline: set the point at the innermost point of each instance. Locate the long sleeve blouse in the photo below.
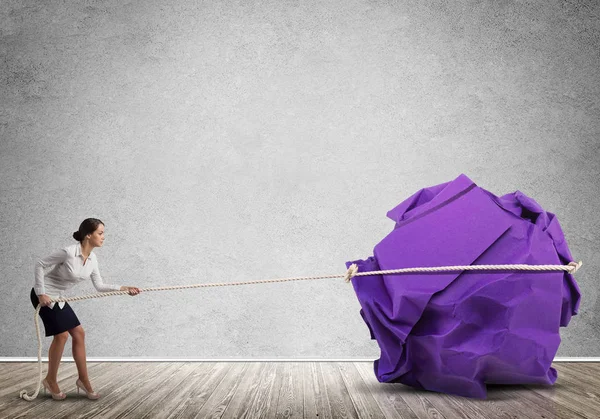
(68, 270)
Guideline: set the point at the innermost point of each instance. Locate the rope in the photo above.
(23, 394)
(352, 272)
(571, 268)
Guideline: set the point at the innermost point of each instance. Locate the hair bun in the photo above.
(77, 236)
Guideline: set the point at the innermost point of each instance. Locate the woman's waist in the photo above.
(56, 290)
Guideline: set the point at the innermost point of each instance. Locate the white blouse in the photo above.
(69, 270)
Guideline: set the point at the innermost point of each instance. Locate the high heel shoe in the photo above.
(91, 396)
(55, 396)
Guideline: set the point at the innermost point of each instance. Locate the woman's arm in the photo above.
(102, 287)
(55, 258)
(99, 283)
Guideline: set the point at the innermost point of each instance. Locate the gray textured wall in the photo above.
(227, 141)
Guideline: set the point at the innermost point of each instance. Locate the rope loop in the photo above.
(575, 265)
(352, 270)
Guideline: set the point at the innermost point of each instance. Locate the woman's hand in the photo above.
(44, 300)
(131, 290)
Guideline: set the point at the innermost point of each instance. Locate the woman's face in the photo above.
(97, 237)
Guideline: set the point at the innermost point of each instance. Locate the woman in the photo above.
(72, 265)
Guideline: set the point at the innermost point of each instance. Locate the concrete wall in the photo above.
(226, 141)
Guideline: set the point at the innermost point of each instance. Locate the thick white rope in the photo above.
(352, 271)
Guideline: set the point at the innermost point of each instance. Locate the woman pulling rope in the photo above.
(77, 263)
(72, 265)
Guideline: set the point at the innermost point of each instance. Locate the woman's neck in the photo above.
(86, 249)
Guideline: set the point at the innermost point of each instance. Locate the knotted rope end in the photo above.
(23, 394)
(575, 266)
(351, 272)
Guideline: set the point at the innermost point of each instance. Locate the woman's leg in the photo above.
(78, 335)
(54, 355)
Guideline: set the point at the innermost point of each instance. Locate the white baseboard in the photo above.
(70, 359)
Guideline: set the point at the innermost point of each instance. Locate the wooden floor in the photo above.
(283, 390)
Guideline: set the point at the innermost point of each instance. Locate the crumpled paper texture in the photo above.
(453, 332)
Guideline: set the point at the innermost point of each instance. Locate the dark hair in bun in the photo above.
(88, 226)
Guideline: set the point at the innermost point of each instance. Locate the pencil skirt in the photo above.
(56, 320)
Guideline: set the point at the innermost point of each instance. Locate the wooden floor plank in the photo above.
(290, 403)
(571, 394)
(443, 404)
(44, 405)
(337, 393)
(27, 379)
(7, 369)
(403, 395)
(266, 394)
(239, 382)
(160, 393)
(316, 403)
(584, 372)
(589, 367)
(178, 395)
(391, 404)
(106, 378)
(131, 391)
(490, 408)
(286, 390)
(246, 392)
(532, 404)
(584, 378)
(146, 389)
(364, 402)
(203, 388)
(12, 405)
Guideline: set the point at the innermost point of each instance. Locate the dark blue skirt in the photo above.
(56, 320)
